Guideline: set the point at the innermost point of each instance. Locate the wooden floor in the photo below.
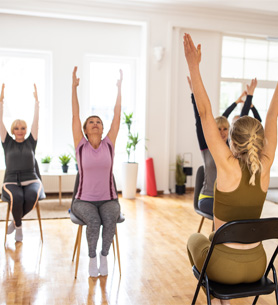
(155, 267)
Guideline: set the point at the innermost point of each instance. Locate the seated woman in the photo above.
(96, 200)
(205, 202)
(21, 185)
(243, 174)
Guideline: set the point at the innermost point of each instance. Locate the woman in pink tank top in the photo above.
(96, 200)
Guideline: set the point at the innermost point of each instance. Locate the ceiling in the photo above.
(259, 6)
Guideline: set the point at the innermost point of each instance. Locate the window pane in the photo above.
(229, 93)
(232, 68)
(232, 47)
(260, 99)
(273, 51)
(19, 71)
(255, 68)
(256, 49)
(273, 70)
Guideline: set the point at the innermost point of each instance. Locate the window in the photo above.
(101, 75)
(242, 60)
(19, 70)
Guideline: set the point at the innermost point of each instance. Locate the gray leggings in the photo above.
(95, 214)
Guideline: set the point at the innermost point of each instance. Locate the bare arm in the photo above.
(76, 123)
(115, 125)
(35, 124)
(3, 131)
(271, 129)
(216, 145)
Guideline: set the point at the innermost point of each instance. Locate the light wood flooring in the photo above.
(155, 266)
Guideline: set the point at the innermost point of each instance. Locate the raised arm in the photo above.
(3, 130)
(250, 89)
(115, 125)
(231, 108)
(216, 145)
(198, 124)
(76, 123)
(271, 129)
(35, 124)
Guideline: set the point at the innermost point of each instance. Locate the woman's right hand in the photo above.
(2, 93)
(251, 88)
(75, 80)
(240, 99)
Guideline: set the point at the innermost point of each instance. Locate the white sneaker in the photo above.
(18, 234)
(103, 267)
(11, 228)
(93, 270)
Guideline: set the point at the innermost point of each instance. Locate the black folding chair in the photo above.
(246, 232)
(198, 186)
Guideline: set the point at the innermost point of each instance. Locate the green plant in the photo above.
(180, 175)
(65, 159)
(46, 159)
(132, 138)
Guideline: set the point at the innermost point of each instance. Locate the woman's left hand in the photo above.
(119, 82)
(192, 54)
(35, 93)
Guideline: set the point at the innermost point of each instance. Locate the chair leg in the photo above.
(39, 218)
(7, 220)
(78, 250)
(76, 243)
(201, 224)
(118, 250)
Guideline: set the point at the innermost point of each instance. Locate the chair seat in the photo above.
(222, 291)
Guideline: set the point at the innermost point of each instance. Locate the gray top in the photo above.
(20, 159)
(210, 173)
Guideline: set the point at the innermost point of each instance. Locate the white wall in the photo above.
(170, 124)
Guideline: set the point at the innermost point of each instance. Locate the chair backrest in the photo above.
(245, 232)
(198, 185)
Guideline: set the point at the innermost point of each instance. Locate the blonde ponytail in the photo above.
(247, 136)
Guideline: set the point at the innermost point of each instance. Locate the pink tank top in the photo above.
(95, 171)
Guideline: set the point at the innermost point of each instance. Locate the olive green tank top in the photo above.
(245, 202)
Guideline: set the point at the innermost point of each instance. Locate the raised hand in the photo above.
(2, 93)
(35, 93)
(119, 81)
(75, 80)
(251, 88)
(240, 99)
(192, 54)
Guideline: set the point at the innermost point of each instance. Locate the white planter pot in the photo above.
(129, 180)
(45, 167)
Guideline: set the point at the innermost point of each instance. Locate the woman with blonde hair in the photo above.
(22, 186)
(243, 174)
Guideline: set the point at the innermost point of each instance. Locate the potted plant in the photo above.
(45, 162)
(180, 176)
(65, 159)
(130, 169)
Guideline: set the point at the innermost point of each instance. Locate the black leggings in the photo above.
(22, 199)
